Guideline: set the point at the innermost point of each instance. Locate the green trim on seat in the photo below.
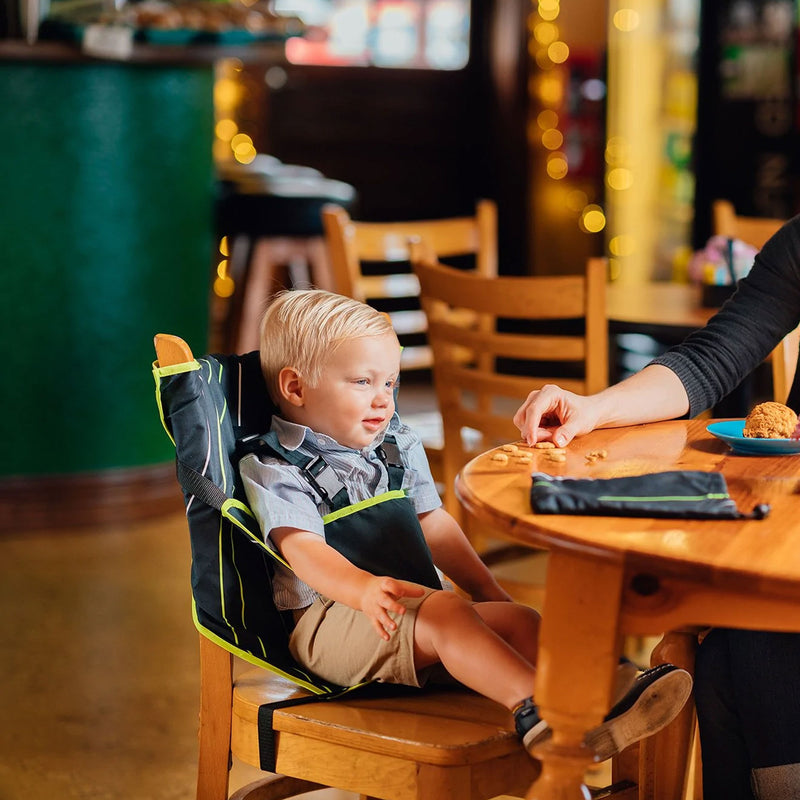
(255, 661)
(163, 372)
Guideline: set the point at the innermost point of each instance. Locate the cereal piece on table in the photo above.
(510, 448)
(544, 445)
(524, 459)
(557, 456)
(500, 457)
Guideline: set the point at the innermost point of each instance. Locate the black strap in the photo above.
(389, 453)
(324, 481)
(266, 732)
(199, 485)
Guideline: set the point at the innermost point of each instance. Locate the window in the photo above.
(421, 34)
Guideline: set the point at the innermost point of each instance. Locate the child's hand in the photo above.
(380, 598)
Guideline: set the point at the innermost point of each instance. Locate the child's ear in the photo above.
(290, 385)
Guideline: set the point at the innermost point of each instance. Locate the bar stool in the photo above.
(271, 216)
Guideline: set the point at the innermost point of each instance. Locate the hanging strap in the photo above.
(199, 485)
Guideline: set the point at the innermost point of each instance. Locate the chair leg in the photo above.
(665, 756)
(216, 698)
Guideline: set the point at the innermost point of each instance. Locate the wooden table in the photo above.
(609, 577)
(657, 308)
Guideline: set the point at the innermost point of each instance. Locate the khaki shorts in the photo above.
(339, 644)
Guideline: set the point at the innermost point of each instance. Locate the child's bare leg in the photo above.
(518, 625)
(449, 630)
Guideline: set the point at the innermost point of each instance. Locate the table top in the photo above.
(737, 554)
(657, 304)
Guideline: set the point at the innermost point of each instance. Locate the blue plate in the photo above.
(730, 432)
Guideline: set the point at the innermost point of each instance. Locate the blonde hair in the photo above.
(302, 327)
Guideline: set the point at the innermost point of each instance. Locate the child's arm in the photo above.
(333, 576)
(453, 554)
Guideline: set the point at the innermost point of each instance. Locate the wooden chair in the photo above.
(351, 245)
(755, 231)
(542, 329)
(482, 372)
(412, 745)
(370, 262)
(478, 401)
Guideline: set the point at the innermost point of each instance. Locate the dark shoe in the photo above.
(655, 699)
(531, 728)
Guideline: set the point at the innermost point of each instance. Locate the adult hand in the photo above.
(554, 414)
(380, 599)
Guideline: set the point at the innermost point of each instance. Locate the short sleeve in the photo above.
(279, 496)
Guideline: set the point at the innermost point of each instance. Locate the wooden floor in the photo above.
(99, 677)
(99, 671)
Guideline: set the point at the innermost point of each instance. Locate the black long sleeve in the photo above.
(712, 361)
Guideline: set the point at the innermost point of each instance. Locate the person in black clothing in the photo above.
(747, 683)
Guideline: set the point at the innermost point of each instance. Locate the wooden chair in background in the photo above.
(494, 340)
(482, 376)
(443, 743)
(369, 261)
(755, 231)
(543, 329)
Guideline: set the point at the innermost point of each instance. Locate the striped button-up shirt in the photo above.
(280, 496)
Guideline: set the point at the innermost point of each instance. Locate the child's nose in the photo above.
(382, 397)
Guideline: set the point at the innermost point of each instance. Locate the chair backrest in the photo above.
(755, 231)
(370, 262)
(206, 406)
(542, 329)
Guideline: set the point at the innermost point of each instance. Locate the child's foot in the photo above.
(654, 700)
(531, 728)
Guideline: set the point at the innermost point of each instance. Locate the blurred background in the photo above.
(598, 129)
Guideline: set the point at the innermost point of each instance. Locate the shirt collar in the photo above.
(292, 436)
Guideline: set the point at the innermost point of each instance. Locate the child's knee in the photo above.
(443, 605)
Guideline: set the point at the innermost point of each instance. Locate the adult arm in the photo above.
(554, 414)
(695, 374)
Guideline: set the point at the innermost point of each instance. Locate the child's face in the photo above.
(354, 399)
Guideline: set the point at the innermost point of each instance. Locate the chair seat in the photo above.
(392, 739)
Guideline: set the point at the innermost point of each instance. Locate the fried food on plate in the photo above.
(770, 421)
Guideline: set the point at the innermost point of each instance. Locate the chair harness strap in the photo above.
(266, 733)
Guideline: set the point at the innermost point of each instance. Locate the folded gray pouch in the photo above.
(682, 494)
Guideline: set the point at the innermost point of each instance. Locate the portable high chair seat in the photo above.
(398, 744)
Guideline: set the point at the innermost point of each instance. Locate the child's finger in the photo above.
(403, 588)
(380, 629)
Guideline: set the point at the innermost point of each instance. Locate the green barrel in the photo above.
(106, 215)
